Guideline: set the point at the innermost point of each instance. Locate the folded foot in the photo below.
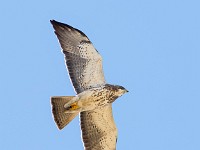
(73, 107)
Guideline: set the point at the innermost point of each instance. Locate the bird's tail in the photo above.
(61, 118)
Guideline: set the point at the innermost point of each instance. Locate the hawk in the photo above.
(94, 97)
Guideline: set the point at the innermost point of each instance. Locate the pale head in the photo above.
(120, 90)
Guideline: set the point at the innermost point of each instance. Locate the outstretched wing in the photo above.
(98, 129)
(84, 63)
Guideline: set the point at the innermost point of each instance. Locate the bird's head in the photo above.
(121, 90)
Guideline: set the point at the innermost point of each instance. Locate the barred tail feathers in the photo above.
(61, 118)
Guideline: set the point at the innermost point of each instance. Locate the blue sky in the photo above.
(150, 47)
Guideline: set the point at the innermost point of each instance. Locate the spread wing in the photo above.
(98, 129)
(84, 63)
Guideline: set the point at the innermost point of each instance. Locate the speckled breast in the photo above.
(104, 95)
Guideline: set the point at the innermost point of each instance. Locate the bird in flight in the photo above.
(94, 97)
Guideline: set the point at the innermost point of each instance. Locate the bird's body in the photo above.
(94, 96)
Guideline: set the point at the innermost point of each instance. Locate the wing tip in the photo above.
(57, 24)
(54, 22)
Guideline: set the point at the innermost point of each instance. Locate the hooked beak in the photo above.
(126, 91)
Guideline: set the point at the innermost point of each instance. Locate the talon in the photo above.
(73, 106)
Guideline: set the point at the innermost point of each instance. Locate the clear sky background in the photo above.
(151, 47)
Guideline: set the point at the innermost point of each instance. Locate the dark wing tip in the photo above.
(52, 21)
(56, 24)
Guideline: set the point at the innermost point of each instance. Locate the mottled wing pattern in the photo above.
(84, 63)
(98, 129)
